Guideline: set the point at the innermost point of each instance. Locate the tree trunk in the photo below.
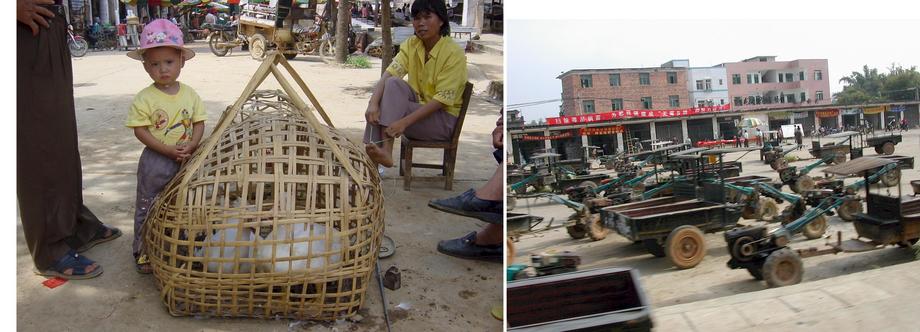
(341, 32)
(385, 24)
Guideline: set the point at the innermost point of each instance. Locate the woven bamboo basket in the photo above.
(276, 215)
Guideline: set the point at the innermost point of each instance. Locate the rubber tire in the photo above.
(888, 148)
(577, 231)
(803, 183)
(847, 211)
(748, 212)
(757, 273)
(77, 48)
(290, 56)
(213, 39)
(681, 237)
(258, 47)
(590, 185)
(783, 268)
(767, 210)
(892, 178)
(779, 163)
(653, 247)
(816, 228)
(596, 229)
(878, 149)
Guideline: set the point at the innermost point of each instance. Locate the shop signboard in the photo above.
(635, 114)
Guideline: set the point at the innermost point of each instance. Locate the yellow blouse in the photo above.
(442, 78)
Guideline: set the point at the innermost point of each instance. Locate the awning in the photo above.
(778, 115)
(858, 165)
(875, 110)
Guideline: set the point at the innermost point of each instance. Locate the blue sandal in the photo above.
(100, 237)
(72, 260)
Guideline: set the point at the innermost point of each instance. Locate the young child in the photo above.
(167, 116)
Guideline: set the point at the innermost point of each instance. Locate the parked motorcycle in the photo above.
(78, 46)
(224, 38)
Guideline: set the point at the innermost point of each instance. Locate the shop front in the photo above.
(828, 118)
(700, 130)
(806, 119)
(873, 115)
(777, 120)
(728, 126)
(850, 117)
(669, 130)
(637, 132)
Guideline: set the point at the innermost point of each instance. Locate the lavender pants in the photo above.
(398, 102)
(154, 171)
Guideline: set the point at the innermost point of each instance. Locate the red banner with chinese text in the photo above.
(831, 113)
(543, 138)
(640, 114)
(600, 130)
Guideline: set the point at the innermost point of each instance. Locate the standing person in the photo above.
(55, 221)
(798, 137)
(167, 116)
(759, 137)
(426, 107)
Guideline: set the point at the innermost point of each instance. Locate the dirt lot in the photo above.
(667, 285)
(437, 291)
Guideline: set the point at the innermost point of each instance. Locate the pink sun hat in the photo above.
(160, 33)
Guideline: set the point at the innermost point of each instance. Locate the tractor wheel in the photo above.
(816, 228)
(756, 272)
(748, 212)
(685, 246)
(768, 210)
(588, 185)
(782, 268)
(891, 178)
(577, 231)
(596, 229)
(848, 210)
(888, 148)
(779, 163)
(804, 183)
(258, 47)
(653, 247)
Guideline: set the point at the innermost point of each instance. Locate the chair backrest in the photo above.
(467, 92)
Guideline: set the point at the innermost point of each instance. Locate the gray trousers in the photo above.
(154, 171)
(398, 102)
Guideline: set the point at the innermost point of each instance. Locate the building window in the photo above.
(586, 81)
(789, 77)
(674, 100)
(699, 84)
(720, 82)
(736, 78)
(818, 75)
(701, 103)
(790, 98)
(819, 95)
(616, 104)
(643, 79)
(721, 101)
(750, 79)
(802, 97)
(737, 101)
(647, 103)
(801, 76)
(672, 77)
(614, 79)
(779, 77)
(708, 85)
(587, 106)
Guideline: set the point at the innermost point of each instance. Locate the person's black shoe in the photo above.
(469, 206)
(465, 247)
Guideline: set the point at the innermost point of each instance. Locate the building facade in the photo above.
(762, 83)
(589, 91)
(708, 86)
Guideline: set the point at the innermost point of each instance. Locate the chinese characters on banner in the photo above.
(600, 131)
(643, 114)
(543, 138)
(831, 113)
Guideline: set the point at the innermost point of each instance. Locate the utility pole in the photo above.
(385, 25)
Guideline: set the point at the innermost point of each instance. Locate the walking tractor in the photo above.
(546, 176)
(853, 143)
(891, 220)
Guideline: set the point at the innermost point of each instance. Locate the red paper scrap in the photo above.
(54, 282)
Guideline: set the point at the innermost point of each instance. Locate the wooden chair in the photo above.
(449, 147)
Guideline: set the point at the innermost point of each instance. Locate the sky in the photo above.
(537, 51)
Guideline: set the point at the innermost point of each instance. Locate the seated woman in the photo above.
(426, 107)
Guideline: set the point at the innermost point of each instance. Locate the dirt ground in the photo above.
(666, 285)
(438, 292)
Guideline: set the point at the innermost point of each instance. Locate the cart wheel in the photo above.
(816, 228)
(685, 246)
(768, 210)
(653, 247)
(588, 185)
(840, 158)
(577, 231)
(748, 212)
(778, 164)
(848, 210)
(257, 47)
(891, 178)
(888, 148)
(756, 272)
(878, 149)
(783, 268)
(803, 183)
(596, 229)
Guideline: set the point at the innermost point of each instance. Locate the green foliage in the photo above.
(790, 158)
(358, 61)
(871, 87)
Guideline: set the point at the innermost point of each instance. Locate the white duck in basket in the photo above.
(214, 250)
(294, 241)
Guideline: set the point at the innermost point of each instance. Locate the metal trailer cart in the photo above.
(889, 221)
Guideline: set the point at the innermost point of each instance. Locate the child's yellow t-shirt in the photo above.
(168, 117)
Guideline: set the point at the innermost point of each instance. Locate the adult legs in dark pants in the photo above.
(56, 223)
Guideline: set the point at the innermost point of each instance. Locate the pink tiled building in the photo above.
(762, 82)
